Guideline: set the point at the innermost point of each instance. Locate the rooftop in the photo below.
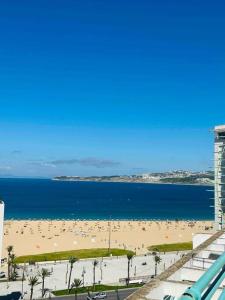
(181, 275)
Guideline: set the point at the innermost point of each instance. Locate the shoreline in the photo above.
(109, 181)
(158, 182)
(107, 220)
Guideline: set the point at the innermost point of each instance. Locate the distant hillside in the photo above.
(173, 177)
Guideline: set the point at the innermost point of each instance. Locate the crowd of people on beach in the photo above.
(60, 235)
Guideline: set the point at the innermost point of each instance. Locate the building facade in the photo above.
(2, 206)
(219, 169)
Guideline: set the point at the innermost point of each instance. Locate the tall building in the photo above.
(1, 227)
(219, 169)
(199, 274)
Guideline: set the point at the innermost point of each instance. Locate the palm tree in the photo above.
(76, 284)
(83, 273)
(129, 257)
(9, 250)
(32, 281)
(13, 267)
(12, 257)
(13, 275)
(72, 261)
(117, 294)
(157, 260)
(43, 274)
(95, 263)
(88, 292)
(23, 278)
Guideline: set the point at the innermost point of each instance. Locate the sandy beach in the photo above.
(33, 237)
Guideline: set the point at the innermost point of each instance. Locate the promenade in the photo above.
(111, 271)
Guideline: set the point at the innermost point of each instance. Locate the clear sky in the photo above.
(110, 87)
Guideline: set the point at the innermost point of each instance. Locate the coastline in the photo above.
(109, 220)
(109, 181)
(143, 182)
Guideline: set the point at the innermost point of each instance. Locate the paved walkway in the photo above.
(108, 271)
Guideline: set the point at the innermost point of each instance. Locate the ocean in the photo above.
(47, 199)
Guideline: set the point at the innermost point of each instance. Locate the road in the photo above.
(111, 295)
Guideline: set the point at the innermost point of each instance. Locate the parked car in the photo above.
(100, 295)
(136, 281)
(2, 275)
(144, 263)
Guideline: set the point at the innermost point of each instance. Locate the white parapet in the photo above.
(200, 238)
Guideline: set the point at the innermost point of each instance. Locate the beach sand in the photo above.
(33, 237)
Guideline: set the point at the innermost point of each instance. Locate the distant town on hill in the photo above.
(172, 177)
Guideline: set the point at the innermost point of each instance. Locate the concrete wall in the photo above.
(199, 238)
(220, 241)
(175, 289)
(167, 288)
(187, 274)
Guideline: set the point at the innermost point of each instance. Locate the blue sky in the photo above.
(110, 87)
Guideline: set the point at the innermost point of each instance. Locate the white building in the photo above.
(219, 190)
(172, 283)
(1, 226)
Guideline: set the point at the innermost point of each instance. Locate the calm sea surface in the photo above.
(42, 198)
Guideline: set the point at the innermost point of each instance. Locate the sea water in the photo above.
(48, 199)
